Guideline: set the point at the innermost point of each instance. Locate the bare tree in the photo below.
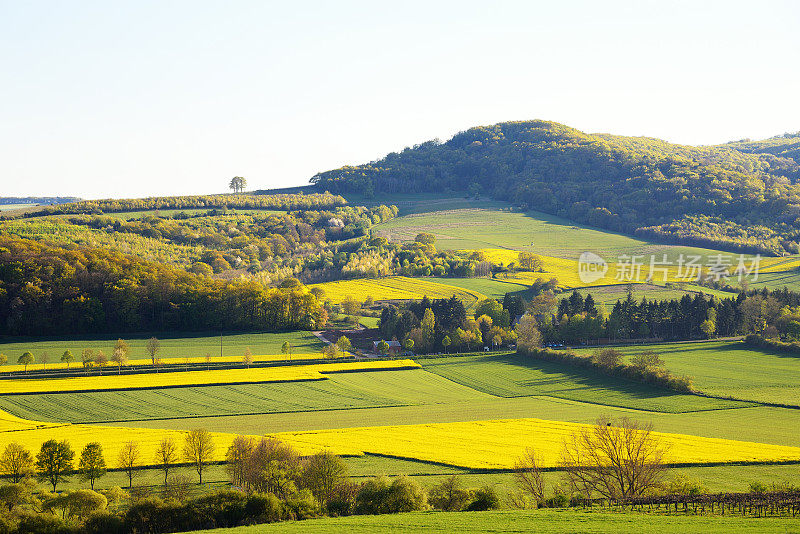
(128, 460)
(166, 456)
(529, 476)
(153, 346)
(198, 449)
(247, 359)
(44, 358)
(100, 359)
(120, 358)
(236, 459)
(616, 459)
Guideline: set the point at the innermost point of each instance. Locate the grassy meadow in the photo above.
(730, 369)
(173, 345)
(544, 521)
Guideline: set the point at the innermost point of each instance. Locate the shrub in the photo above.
(343, 500)
(301, 505)
(485, 499)
(379, 496)
(559, 500)
(104, 523)
(449, 496)
(263, 508)
(42, 524)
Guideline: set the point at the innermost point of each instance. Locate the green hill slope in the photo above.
(709, 196)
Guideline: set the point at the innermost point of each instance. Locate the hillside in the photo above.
(784, 146)
(711, 196)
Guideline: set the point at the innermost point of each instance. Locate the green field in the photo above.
(495, 225)
(730, 369)
(173, 345)
(340, 391)
(516, 521)
(789, 279)
(610, 294)
(509, 375)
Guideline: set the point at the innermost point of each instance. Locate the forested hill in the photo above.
(717, 196)
(786, 145)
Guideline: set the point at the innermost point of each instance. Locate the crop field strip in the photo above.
(498, 444)
(495, 227)
(354, 390)
(397, 288)
(164, 363)
(111, 382)
(494, 444)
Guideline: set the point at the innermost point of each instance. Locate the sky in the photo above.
(121, 99)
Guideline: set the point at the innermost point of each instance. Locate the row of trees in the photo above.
(55, 461)
(277, 202)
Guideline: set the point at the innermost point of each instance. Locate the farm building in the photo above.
(394, 346)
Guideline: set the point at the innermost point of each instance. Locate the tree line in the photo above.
(73, 291)
(768, 313)
(278, 202)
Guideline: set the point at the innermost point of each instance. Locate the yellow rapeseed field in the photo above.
(165, 361)
(477, 444)
(396, 288)
(112, 381)
(497, 444)
(566, 270)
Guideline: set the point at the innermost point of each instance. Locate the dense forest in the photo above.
(76, 291)
(716, 196)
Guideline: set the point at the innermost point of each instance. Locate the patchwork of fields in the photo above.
(111, 382)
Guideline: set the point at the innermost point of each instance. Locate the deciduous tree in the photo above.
(16, 462)
(615, 459)
(67, 358)
(26, 359)
(92, 464)
(54, 461)
(198, 449)
(153, 346)
(166, 456)
(128, 460)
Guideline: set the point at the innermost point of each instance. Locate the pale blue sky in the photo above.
(137, 98)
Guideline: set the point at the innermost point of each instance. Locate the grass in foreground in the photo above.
(515, 521)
